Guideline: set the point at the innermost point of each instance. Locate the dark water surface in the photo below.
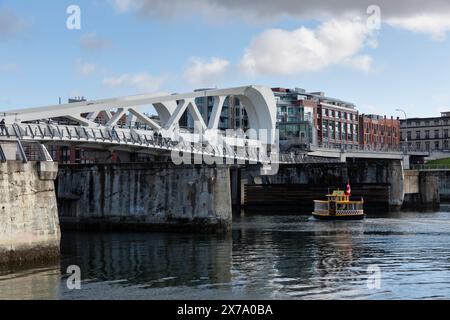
(265, 257)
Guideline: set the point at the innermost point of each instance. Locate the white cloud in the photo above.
(123, 5)
(10, 23)
(277, 51)
(142, 81)
(206, 72)
(86, 68)
(437, 25)
(429, 17)
(9, 68)
(92, 42)
(361, 62)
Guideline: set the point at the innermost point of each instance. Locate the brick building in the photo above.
(337, 122)
(378, 132)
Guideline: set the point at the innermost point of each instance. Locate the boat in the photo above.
(339, 207)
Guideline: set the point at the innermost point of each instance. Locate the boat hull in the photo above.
(339, 217)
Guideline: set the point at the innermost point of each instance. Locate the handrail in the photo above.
(2, 155)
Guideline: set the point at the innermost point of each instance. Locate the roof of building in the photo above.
(320, 96)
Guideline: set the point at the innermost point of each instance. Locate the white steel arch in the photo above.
(258, 101)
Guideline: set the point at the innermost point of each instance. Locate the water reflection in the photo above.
(151, 260)
(40, 284)
(266, 257)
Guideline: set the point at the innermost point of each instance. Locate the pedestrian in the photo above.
(3, 127)
(114, 133)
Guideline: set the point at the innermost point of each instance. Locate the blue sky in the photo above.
(129, 47)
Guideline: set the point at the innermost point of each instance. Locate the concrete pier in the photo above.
(29, 226)
(379, 182)
(423, 189)
(145, 196)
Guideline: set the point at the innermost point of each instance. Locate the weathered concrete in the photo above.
(145, 196)
(429, 190)
(422, 189)
(387, 174)
(444, 184)
(411, 182)
(29, 226)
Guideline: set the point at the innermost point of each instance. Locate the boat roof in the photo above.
(337, 193)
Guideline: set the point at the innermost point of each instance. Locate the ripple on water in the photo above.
(266, 257)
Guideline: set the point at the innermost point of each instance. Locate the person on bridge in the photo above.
(3, 127)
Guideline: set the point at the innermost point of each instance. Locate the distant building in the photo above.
(337, 122)
(377, 132)
(233, 114)
(427, 133)
(73, 154)
(314, 119)
(296, 117)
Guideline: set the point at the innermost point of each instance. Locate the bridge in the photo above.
(164, 195)
(143, 134)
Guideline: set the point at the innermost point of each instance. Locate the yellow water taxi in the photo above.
(339, 207)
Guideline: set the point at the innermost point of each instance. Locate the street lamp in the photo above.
(406, 125)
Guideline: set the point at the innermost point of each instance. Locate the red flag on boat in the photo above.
(348, 192)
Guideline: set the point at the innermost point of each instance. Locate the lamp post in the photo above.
(406, 125)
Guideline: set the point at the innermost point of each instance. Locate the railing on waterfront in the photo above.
(133, 137)
(23, 151)
(378, 149)
(48, 132)
(430, 167)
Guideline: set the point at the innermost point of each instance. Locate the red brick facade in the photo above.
(379, 132)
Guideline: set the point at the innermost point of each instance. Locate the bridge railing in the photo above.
(430, 167)
(143, 138)
(365, 148)
(23, 151)
(49, 132)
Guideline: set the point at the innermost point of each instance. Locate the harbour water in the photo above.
(270, 256)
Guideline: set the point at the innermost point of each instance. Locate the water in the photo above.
(265, 257)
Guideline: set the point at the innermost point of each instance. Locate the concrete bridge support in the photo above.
(379, 182)
(29, 226)
(145, 196)
(422, 189)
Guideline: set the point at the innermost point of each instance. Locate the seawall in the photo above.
(379, 182)
(144, 196)
(29, 226)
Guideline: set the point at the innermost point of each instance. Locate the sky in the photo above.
(383, 57)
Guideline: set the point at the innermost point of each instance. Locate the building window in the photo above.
(436, 134)
(427, 134)
(446, 144)
(436, 145)
(325, 130)
(445, 133)
(427, 146)
(332, 130)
